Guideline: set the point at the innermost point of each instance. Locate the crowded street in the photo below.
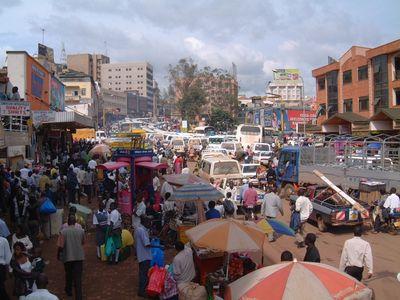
(214, 150)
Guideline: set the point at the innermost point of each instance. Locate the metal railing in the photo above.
(381, 152)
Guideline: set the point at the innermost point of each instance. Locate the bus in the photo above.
(249, 134)
(129, 125)
(204, 130)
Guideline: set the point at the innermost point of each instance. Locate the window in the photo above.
(363, 103)
(15, 123)
(347, 105)
(397, 67)
(347, 77)
(397, 97)
(363, 73)
(83, 92)
(321, 83)
(109, 77)
(332, 86)
(381, 91)
(75, 93)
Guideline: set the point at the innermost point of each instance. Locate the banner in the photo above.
(43, 116)
(37, 81)
(298, 116)
(286, 74)
(57, 97)
(15, 108)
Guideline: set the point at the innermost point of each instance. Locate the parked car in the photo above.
(262, 157)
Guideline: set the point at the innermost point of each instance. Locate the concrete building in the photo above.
(363, 85)
(81, 94)
(138, 106)
(130, 77)
(115, 102)
(89, 64)
(289, 85)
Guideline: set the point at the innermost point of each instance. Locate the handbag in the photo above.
(47, 207)
(156, 281)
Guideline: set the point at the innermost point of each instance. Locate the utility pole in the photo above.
(42, 35)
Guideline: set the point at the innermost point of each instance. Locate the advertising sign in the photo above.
(15, 108)
(184, 126)
(37, 81)
(286, 74)
(57, 96)
(46, 52)
(37, 85)
(298, 116)
(43, 116)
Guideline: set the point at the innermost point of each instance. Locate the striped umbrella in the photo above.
(195, 192)
(270, 225)
(297, 280)
(228, 235)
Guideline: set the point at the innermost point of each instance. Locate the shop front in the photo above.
(346, 123)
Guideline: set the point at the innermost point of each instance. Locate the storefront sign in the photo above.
(15, 108)
(43, 116)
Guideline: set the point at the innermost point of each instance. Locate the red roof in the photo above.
(152, 165)
(112, 165)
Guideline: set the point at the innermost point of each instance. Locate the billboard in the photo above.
(38, 85)
(273, 116)
(286, 74)
(15, 108)
(57, 95)
(298, 116)
(46, 52)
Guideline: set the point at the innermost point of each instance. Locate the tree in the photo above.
(186, 88)
(221, 120)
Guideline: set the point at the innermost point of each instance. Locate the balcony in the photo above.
(72, 98)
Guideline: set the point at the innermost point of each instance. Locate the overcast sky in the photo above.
(256, 35)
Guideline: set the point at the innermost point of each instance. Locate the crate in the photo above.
(371, 186)
(370, 197)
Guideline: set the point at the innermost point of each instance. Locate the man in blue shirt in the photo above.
(212, 213)
(143, 252)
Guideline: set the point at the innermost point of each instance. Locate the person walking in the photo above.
(101, 221)
(270, 207)
(356, 255)
(115, 222)
(250, 201)
(5, 258)
(303, 206)
(87, 183)
(72, 183)
(312, 253)
(143, 252)
(71, 253)
(42, 293)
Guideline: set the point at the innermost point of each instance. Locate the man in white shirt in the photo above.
(232, 189)
(392, 201)
(156, 182)
(5, 257)
(115, 222)
(24, 171)
(304, 207)
(166, 188)
(183, 264)
(356, 254)
(41, 293)
(270, 207)
(92, 164)
(138, 212)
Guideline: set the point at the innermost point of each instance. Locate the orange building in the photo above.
(357, 91)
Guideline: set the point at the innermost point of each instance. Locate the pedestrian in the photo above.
(231, 188)
(178, 165)
(303, 206)
(87, 183)
(4, 231)
(392, 201)
(72, 184)
(143, 252)
(115, 222)
(183, 264)
(271, 205)
(42, 293)
(71, 253)
(55, 188)
(356, 255)
(243, 189)
(229, 206)
(212, 213)
(5, 258)
(101, 221)
(312, 253)
(286, 256)
(44, 181)
(138, 212)
(21, 236)
(156, 182)
(15, 94)
(250, 201)
(33, 217)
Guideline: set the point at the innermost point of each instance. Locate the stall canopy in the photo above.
(112, 165)
(195, 192)
(152, 165)
(183, 179)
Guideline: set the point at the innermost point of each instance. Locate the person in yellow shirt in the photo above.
(44, 180)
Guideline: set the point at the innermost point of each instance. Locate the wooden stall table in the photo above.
(207, 262)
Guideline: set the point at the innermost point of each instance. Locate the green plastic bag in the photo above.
(110, 246)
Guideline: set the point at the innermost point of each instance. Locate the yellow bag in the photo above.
(127, 238)
(103, 253)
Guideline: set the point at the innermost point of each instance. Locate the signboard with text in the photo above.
(15, 108)
(286, 74)
(43, 116)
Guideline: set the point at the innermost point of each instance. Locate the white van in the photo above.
(100, 136)
(177, 144)
(219, 168)
(195, 143)
(231, 147)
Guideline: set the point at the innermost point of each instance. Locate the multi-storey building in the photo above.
(361, 89)
(130, 77)
(289, 85)
(89, 64)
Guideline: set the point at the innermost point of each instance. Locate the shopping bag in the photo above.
(156, 281)
(157, 254)
(47, 207)
(110, 246)
(103, 252)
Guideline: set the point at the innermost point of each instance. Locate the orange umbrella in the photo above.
(228, 235)
(100, 149)
(297, 280)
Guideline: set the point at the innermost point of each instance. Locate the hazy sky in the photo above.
(257, 35)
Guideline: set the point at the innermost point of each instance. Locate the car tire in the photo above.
(321, 224)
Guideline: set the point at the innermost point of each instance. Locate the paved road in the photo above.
(385, 250)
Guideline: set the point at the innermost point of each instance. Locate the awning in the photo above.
(152, 165)
(69, 118)
(183, 179)
(112, 165)
(386, 114)
(347, 117)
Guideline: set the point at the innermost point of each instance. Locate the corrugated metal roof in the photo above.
(70, 116)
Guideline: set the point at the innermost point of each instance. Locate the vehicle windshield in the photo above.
(226, 167)
(250, 169)
(228, 146)
(194, 142)
(215, 140)
(177, 143)
(265, 153)
(262, 147)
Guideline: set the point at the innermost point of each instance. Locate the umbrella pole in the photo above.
(227, 267)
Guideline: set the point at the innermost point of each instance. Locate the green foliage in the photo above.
(221, 120)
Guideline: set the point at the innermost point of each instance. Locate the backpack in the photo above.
(229, 207)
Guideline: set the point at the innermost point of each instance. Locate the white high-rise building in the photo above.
(289, 85)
